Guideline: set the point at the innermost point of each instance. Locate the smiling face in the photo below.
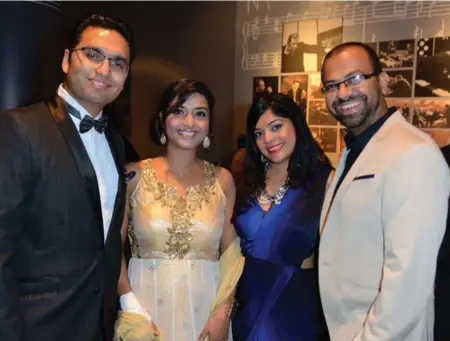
(95, 84)
(355, 106)
(188, 124)
(275, 137)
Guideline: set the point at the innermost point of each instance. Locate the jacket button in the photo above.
(96, 290)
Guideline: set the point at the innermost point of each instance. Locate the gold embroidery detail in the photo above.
(134, 244)
(182, 209)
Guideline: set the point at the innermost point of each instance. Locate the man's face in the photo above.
(294, 42)
(261, 86)
(355, 106)
(295, 86)
(95, 83)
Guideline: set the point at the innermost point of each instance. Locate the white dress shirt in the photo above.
(101, 158)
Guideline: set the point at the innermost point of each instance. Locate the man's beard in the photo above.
(356, 119)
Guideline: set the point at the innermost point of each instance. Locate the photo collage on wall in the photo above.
(304, 46)
(418, 70)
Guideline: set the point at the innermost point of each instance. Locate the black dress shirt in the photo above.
(356, 144)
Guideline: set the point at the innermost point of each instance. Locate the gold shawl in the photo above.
(134, 327)
(231, 267)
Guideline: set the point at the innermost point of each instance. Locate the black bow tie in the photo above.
(88, 122)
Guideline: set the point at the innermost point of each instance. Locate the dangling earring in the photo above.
(265, 162)
(163, 139)
(206, 142)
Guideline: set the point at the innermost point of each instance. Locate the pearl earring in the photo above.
(163, 139)
(206, 142)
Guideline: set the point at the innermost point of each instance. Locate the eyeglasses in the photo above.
(349, 82)
(98, 57)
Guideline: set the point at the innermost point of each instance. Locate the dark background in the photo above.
(172, 39)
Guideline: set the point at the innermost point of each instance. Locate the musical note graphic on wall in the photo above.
(355, 13)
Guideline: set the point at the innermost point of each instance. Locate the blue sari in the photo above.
(277, 299)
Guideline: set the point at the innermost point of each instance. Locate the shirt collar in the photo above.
(64, 94)
(363, 139)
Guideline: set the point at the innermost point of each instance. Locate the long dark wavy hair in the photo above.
(305, 158)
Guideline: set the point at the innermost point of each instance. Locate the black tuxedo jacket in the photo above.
(442, 288)
(58, 279)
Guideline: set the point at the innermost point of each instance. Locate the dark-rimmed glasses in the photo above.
(349, 82)
(98, 57)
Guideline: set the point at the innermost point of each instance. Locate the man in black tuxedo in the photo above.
(63, 196)
(442, 284)
(295, 92)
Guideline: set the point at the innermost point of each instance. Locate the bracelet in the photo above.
(231, 309)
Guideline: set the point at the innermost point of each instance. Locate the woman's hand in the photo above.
(135, 327)
(155, 329)
(217, 327)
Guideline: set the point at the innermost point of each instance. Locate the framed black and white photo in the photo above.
(396, 53)
(431, 113)
(315, 83)
(305, 43)
(433, 68)
(318, 114)
(264, 85)
(326, 137)
(402, 104)
(400, 83)
(296, 87)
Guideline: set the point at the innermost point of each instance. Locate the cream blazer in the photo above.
(381, 235)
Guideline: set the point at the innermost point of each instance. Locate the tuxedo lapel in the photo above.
(68, 130)
(114, 146)
(330, 191)
(369, 153)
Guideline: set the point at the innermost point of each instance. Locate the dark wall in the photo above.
(173, 40)
(30, 50)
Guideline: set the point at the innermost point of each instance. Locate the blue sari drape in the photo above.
(278, 300)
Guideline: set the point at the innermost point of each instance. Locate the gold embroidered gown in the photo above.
(174, 269)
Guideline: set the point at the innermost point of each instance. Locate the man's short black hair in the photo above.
(108, 23)
(374, 60)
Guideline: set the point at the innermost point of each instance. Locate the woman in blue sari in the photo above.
(277, 217)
